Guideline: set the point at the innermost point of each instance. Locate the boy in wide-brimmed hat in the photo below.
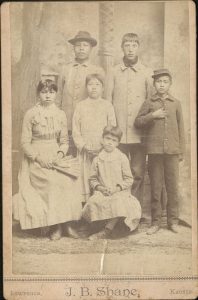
(73, 75)
(161, 117)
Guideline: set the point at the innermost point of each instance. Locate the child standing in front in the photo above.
(111, 181)
(161, 116)
(90, 117)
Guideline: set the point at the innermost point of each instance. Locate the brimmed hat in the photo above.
(160, 72)
(83, 36)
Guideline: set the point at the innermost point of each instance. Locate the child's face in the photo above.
(82, 50)
(130, 50)
(47, 96)
(110, 142)
(94, 88)
(162, 84)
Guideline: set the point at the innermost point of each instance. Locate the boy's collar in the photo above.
(136, 67)
(157, 97)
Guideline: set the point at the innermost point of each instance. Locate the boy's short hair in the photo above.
(99, 77)
(113, 130)
(130, 37)
(47, 84)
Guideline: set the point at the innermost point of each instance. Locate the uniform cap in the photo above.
(160, 72)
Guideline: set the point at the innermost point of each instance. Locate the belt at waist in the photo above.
(52, 141)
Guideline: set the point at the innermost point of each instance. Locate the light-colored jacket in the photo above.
(72, 87)
(128, 88)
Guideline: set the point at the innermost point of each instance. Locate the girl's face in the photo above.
(94, 88)
(110, 142)
(47, 96)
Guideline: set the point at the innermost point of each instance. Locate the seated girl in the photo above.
(46, 197)
(111, 180)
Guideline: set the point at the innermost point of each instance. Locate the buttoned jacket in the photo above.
(162, 135)
(128, 88)
(72, 85)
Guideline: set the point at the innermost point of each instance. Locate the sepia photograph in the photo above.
(99, 150)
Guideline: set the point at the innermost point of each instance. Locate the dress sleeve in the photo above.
(126, 174)
(26, 136)
(180, 123)
(76, 131)
(111, 116)
(63, 141)
(145, 116)
(93, 179)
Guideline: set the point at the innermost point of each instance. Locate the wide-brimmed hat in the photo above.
(161, 72)
(83, 36)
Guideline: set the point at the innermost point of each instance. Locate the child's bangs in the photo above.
(131, 39)
(47, 85)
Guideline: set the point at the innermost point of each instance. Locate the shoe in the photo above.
(56, 234)
(153, 229)
(174, 228)
(104, 234)
(71, 232)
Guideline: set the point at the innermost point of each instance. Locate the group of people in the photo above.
(110, 127)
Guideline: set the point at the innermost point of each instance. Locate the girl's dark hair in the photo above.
(93, 76)
(113, 130)
(47, 84)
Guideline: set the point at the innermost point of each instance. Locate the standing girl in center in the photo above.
(90, 117)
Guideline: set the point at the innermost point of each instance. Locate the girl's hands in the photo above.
(108, 191)
(58, 158)
(44, 162)
(104, 190)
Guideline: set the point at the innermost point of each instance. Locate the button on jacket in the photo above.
(162, 135)
(72, 85)
(127, 89)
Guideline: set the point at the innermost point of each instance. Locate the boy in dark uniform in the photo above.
(161, 117)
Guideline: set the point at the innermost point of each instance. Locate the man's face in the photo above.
(162, 84)
(130, 49)
(82, 50)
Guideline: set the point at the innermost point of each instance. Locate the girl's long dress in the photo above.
(90, 118)
(110, 170)
(46, 197)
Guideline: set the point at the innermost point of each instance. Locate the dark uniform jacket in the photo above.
(162, 136)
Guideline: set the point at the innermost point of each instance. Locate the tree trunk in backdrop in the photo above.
(25, 74)
(106, 37)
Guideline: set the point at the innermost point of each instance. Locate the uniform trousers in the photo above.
(164, 168)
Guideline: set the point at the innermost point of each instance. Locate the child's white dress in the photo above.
(90, 118)
(110, 170)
